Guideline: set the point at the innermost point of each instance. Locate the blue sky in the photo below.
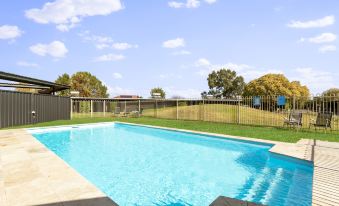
(133, 46)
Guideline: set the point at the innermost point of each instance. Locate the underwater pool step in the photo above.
(226, 201)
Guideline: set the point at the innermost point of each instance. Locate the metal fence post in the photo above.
(71, 108)
(177, 109)
(139, 106)
(91, 108)
(238, 116)
(156, 109)
(32, 109)
(104, 107)
(203, 110)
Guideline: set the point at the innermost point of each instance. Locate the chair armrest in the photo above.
(328, 121)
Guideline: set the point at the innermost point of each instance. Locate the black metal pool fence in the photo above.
(19, 108)
(247, 110)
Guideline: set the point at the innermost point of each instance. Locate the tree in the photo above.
(331, 92)
(275, 84)
(224, 83)
(65, 80)
(158, 90)
(85, 83)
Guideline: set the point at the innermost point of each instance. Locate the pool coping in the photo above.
(26, 172)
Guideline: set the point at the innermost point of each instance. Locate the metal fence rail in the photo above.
(17, 108)
(258, 110)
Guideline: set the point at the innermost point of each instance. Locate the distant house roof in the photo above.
(45, 87)
(127, 97)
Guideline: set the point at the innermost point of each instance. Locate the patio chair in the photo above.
(294, 119)
(323, 120)
(136, 113)
(117, 112)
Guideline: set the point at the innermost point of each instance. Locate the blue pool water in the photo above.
(137, 165)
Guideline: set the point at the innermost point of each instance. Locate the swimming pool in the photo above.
(136, 165)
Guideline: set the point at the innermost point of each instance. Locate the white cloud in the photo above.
(117, 75)
(327, 48)
(10, 32)
(192, 3)
(210, 1)
(101, 46)
(110, 57)
(182, 52)
(100, 42)
(123, 46)
(27, 64)
(66, 14)
(317, 81)
(174, 43)
(55, 49)
(323, 38)
(202, 62)
(103, 42)
(175, 4)
(188, 4)
(318, 23)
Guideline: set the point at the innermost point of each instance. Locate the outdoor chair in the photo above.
(117, 112)
(294, 119)
(136, 113)
(323, 120)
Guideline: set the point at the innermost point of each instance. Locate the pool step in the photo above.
(277, 177)
(257, 184)
(263, 187)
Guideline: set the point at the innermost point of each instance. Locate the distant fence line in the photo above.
(20, 108)
(256, 110)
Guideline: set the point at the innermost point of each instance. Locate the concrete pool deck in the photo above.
(31, 174)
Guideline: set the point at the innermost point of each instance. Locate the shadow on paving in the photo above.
(226, 201)
(100, 201)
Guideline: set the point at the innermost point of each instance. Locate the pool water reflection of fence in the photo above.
(257, 110)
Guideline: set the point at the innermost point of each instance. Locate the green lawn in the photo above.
(270, 133)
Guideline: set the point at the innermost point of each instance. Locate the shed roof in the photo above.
(46, 87)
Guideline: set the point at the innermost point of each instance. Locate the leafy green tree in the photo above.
(224, 83)
(85, 83)
(275, 84)
(65, 80)
(158, 90)
(331, 92)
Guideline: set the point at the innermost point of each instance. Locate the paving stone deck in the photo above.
(30, 174)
